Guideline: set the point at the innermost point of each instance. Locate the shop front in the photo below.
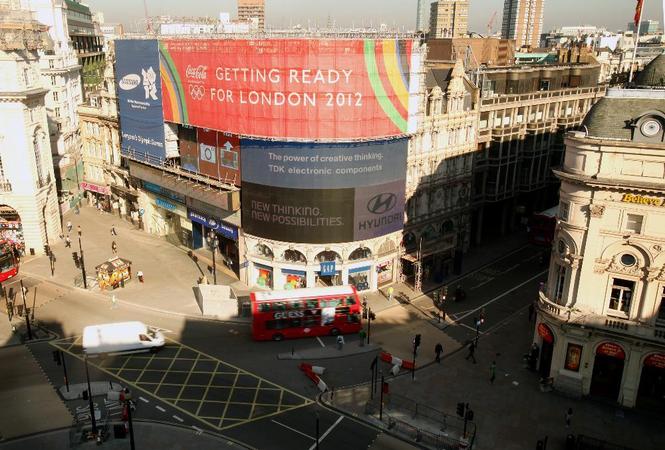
(546, 349)
(328, 275)
(126, 199)
(607, 371)
(227, 236)
(294, 279)
(384, 273)
(651, 392)
(360, 277)
(263, 276)
(170, 220)
(98, 196)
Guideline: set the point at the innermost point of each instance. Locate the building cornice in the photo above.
(22, 95)
(622, 185)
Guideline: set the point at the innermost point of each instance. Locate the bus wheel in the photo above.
(334, 331)
(278, 337)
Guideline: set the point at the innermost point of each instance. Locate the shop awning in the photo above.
(410, 257)
(124, 190)
(360, 269)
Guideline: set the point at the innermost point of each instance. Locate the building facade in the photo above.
(524, 114)
(449, 18)
(422, 16)
(439, 177)
(249, 10)
(29, 216)
(523, 22)
(601, 315)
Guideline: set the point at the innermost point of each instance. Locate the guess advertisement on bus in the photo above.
(292, 88)
(321, 193)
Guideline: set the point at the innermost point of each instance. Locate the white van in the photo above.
(120, 337)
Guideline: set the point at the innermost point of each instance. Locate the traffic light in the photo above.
(56, 357)
(416, 341)
(75, 257)
(460, 409)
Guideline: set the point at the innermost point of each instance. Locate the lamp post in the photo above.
(92, 408)
(213, 242)
(85, 282)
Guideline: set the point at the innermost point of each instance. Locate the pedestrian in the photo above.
(114, 302)
(472, 350)
(69, 226)
(492, 372)
(78, 229)
(139, 274)
(68, 242)
(77, 210)
(114, 248)
(569, 417)
(113, 232)
(340, 342)
(390, 294)
(362, 336)
(438, 349)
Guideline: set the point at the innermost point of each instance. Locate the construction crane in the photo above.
(490, 24)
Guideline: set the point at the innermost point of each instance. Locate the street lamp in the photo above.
(85, 282)
(92, 408)
(213, 242)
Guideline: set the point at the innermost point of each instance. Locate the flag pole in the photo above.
(637, 40)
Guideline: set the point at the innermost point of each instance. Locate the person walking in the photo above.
(362, 334)
(139, 274)
(78, 229)
(340, 342)
(114, 248)
(438, 349)
(113, 232)
(390, 294)
(68, 242)
(569, 417)
(492, 372)
(69, 226)
(472, 350)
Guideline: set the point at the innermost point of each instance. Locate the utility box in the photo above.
(218, 301)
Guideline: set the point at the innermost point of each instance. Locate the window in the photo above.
(564, 210)
(57, 112)
(51, 64)
(560, 283)
(38, 159)
(55, 96)
(634, 223)
(26, 77)
(54, 80)
(628, 260)
(621, 295)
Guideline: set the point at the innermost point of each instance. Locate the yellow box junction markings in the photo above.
(180, 364)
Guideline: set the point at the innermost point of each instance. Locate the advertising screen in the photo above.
(323, 193)
(140, 98)
(332, 89)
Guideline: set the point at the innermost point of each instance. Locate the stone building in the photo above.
(524, 113)
(449, 18)
(439, 174)
(28, 196)
(601, 316)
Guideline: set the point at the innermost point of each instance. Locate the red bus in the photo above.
(8, 262)
(305, 312)
(542, 227)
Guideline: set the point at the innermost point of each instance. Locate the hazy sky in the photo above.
(614, 14)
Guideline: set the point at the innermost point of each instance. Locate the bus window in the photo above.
(350, 301)
(341, 310)
(264, 307)
(295, 305)
(296, 323)
(353, 318)
(279, 306)
(312, 303)
(330, 303)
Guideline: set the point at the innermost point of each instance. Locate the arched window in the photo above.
(294, 256)
(328, 255)
(264, 251)
(37, 146)
(409, 240)
(360, 253)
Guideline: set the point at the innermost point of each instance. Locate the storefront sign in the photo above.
(327, 268)
(156, 189)
(165, 204)
(360, 269)
(573, 357)
(105, 190)
(546, 333)
(611, 349)
(656, 360)
(642, 200)
(226, 230)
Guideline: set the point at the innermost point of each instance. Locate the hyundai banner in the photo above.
(140, 98)
(324, 89)
(322, 193)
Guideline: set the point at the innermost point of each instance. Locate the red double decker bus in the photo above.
(305, 312)
(542, 227)
(8, 261)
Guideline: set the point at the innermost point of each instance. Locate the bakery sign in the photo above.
(642, 200)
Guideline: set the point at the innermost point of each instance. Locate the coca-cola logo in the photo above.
(197, 73)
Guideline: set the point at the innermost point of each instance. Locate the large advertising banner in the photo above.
(323, 89)
(323, 193)
(140, 98)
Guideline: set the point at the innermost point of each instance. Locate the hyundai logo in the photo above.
(381, 203)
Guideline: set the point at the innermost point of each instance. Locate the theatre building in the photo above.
(601, 315)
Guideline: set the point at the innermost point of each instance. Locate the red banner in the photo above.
(546, 333)
(638, 13)
(290, 88)
(656, 360)
(611, 349)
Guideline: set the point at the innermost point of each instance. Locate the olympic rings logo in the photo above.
(196, 91)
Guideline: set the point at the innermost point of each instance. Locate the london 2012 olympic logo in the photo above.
(382, 203)
(196, 91)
